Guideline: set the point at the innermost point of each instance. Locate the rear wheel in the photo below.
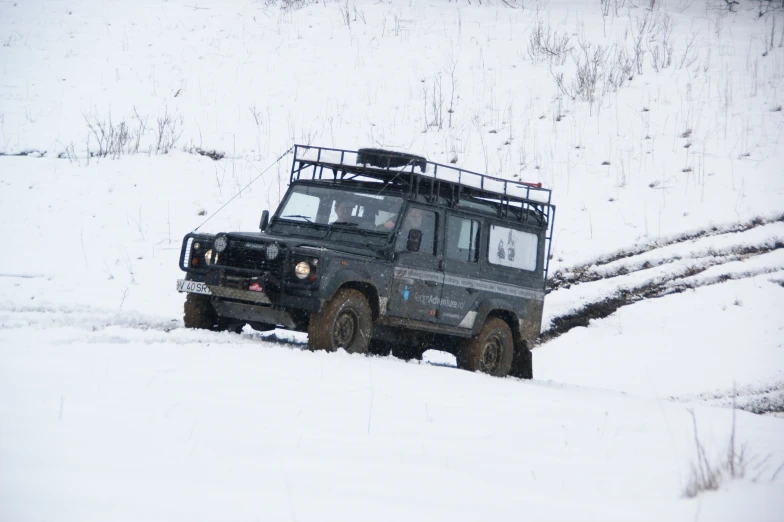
(344, 322)
(489, 352)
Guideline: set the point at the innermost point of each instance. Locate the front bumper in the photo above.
(254, 313)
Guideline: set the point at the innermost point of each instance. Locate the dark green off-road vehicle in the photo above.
(378, 251)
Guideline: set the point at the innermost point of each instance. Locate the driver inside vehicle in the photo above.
(344, 212)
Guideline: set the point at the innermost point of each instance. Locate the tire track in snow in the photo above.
(688, 268)
(762, 400)
(106, 326)
(587, 272)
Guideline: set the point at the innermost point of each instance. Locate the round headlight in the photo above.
(272, 251)
(302, 270)
(208, 255)
(196, 246)
(221, 243)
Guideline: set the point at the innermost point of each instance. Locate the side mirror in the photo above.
(414, 240)
(264, 220)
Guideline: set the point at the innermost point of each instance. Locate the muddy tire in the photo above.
(344, 322)
(199, 313)
(489, 352)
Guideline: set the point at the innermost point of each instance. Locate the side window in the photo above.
(424, 221)
(510, 247)
(462, 242)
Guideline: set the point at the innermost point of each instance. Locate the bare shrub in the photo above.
(639, 32)
(288, 5)
(707, 476)
(168, 131)
(768, 6)
(544, 43)
(591, 71)
(660, 42)
(113, 139)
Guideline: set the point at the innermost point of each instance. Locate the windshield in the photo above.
(343, 209)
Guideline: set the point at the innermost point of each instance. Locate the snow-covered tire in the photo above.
(490, 351)
(344, 322)
(199, 312)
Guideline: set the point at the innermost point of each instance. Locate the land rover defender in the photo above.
(375, 251)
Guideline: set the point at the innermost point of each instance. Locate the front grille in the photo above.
(250, 256)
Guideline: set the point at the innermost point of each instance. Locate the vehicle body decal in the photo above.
(466, 282)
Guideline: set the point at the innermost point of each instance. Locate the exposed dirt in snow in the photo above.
(755, 399)
(586, 272)
(676, 281)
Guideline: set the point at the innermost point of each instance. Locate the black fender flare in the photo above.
(487, 306)
(354, 278)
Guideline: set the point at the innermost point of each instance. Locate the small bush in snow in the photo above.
(707, 475)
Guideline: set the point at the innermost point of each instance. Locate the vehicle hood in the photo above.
(305, 243)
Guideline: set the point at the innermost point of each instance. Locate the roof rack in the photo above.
(419, 176)
(344, 163)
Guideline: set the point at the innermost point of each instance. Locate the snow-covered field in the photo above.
(667, 175)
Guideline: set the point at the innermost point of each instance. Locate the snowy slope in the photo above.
(669, 194)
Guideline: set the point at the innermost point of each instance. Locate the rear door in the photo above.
(462, 289)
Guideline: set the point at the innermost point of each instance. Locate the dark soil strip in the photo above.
(212, 154)
(759, 400)
(34, 153)
(582, 274)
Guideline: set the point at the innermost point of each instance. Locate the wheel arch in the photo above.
(368, 290)
(497, 308)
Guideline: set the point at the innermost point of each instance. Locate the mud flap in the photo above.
(522, 362)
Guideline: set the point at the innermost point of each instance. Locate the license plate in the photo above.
(193, 287)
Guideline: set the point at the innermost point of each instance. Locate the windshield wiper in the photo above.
(299, 216)
(346, 223)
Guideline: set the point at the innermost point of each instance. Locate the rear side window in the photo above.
(510, 247)
(462, 239)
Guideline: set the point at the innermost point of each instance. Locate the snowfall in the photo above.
(658, 126)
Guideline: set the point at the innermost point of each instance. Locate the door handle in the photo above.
(431, 283)
(471, 290)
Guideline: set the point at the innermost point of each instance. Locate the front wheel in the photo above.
(199, 313)
(344, 322)
(489, 352)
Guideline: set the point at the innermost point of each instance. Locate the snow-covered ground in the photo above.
(670, 197)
